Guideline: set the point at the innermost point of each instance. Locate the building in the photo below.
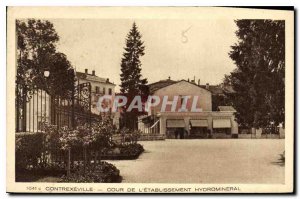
(99, 87)
(218, 93)
(176, 123)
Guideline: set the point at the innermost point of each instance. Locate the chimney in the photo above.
(188, 79)
(198, 82)
(93, 72)
(169, 77)
(207, 86)
(86, 71)
(193, 81)
(107, 80)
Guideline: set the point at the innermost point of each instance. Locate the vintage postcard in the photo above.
(150, 100)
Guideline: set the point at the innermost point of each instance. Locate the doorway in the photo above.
(198, 133)
(176, 133)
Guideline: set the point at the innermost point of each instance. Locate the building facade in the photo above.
(177, 123)
(99, 87)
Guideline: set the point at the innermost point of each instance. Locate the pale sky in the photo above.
(97, 44)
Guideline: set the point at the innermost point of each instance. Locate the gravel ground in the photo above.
(206, 161)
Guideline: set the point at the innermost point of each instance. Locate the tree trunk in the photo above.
(85, 159)
(69, 163)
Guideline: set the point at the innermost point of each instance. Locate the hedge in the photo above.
(29, 150)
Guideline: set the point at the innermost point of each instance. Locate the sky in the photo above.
(180, 49)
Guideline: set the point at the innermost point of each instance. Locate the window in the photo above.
(104, 90)
(97, 89)
(109, 91)
(181, 99)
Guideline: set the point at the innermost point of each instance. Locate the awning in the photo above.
(226, 109)
(199, 123)
(175, 124)
(221, 123)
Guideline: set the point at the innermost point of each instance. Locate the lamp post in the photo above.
(272, 127)
(46, 73)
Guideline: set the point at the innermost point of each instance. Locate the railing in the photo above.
(34, 106)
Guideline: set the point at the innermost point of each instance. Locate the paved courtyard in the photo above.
(206, 161)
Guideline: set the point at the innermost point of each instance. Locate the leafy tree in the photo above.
(132, 83)
(36, 48)
(258, 80)
(62, 76)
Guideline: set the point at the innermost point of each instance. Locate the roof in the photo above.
(228, 89)
(226, 108)
(214, 89)
(160, 84)
(218, 89)
(95, 78)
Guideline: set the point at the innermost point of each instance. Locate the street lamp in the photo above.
(272, 127)
(46, 73)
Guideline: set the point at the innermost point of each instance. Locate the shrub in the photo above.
(102, 172)
(51, 142)
(33, 149)
(128, 136)
(29, 150)
(131, 149)
(33, 174)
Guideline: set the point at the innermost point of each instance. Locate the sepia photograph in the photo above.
(144, 100)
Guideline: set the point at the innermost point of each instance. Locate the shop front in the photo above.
(199, 129)
(190, 125)
(222, 128)
(175, 129)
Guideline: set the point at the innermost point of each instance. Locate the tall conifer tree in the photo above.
(132, 82)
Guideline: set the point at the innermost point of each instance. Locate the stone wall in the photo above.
(151, 137)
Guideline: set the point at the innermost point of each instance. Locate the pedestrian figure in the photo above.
(176, 133)
(181, 133)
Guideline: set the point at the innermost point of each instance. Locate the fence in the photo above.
(149, 125)
(263, 133)
(34, 106)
